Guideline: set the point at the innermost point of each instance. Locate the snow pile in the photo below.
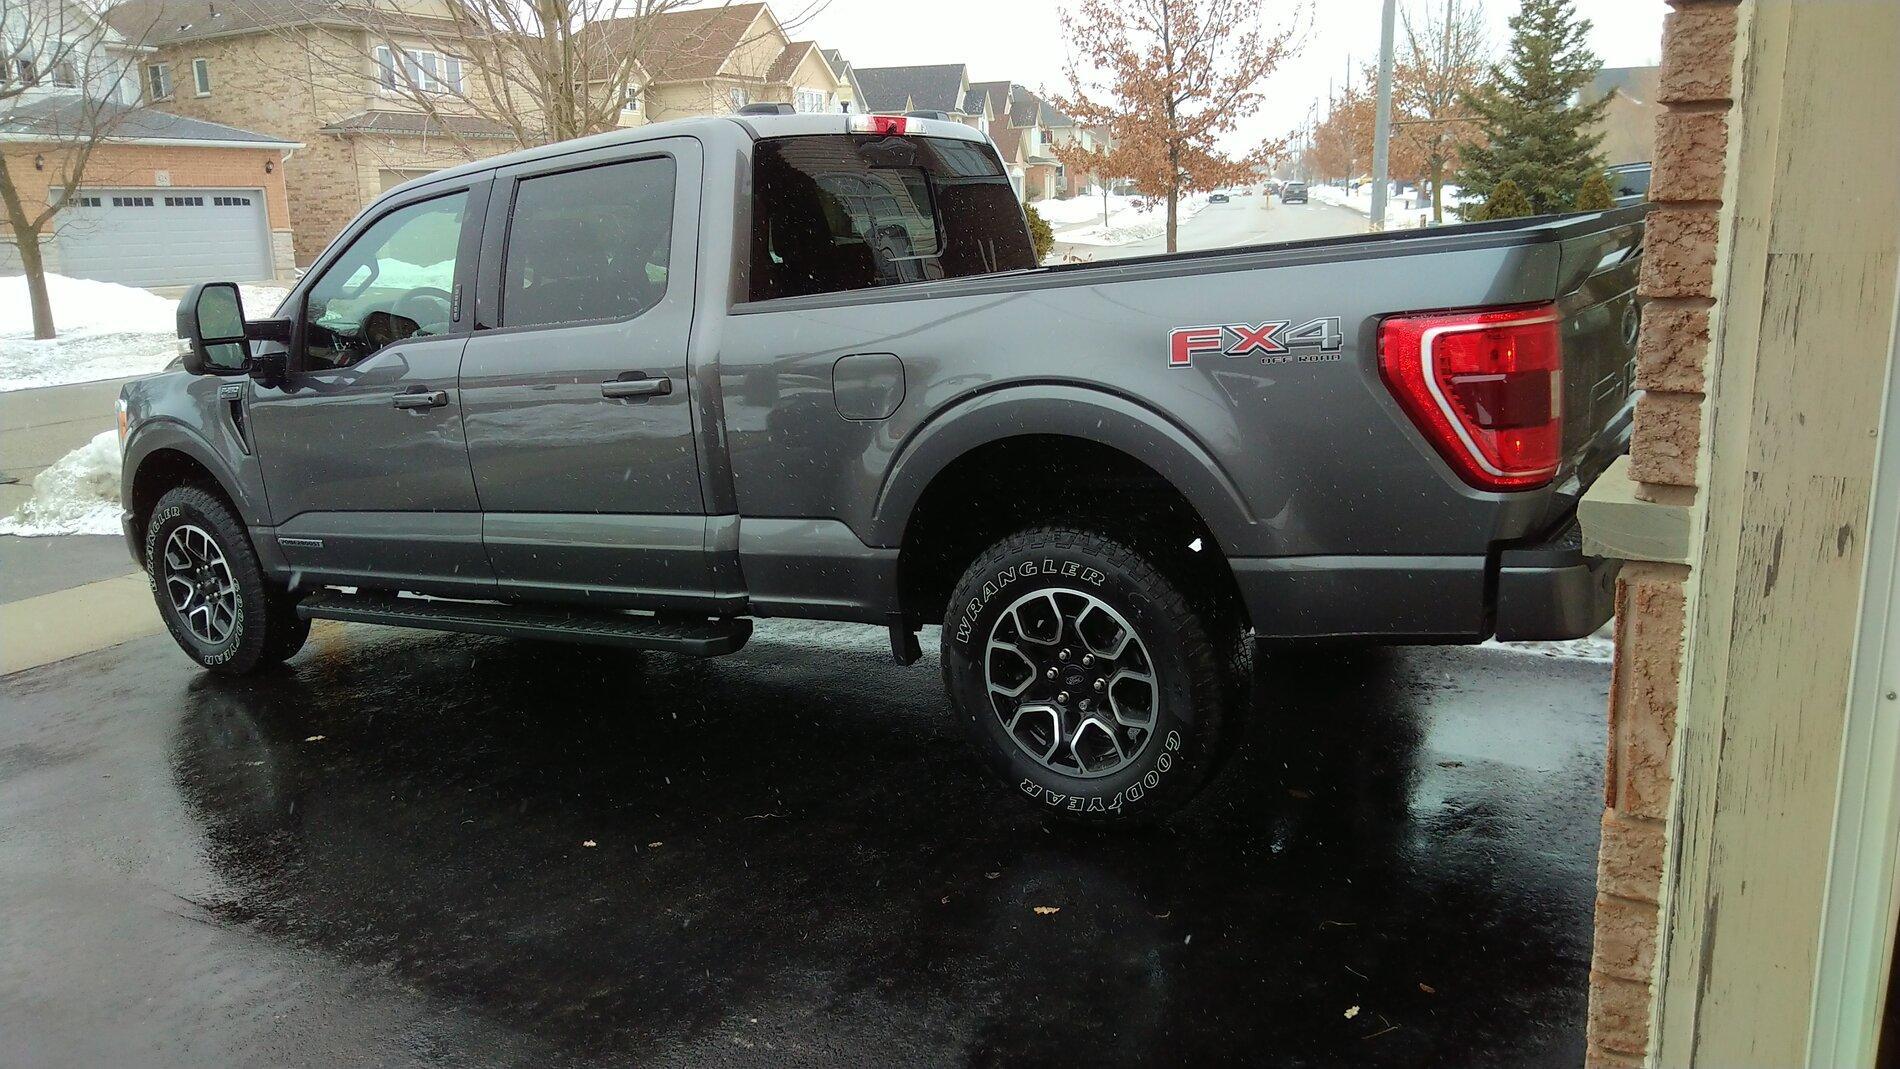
(106, 331)
(1600, 646)
(79, 494)
(1129, 218)
(1399, 213)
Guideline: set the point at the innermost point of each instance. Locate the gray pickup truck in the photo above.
(640, 389)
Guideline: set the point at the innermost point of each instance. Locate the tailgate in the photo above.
(1597, 276)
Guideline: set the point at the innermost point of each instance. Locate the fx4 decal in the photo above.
(1275, 341)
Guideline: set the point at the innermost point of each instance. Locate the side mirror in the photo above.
(211, 322)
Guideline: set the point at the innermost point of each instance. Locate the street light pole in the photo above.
(1382, 124)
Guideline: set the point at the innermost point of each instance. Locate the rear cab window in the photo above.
(841, 212)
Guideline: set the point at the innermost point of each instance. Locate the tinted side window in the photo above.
(589, 245)
(853, 211)
(395, 281)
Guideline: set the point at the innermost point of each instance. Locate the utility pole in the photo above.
(1382, 123)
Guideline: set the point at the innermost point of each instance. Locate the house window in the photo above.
(87, 202)
(201, 76)
(24, 71)
(158, 80)
(630, 99)
(737, 98)
(131, 202)
(810, 101)
(184, 202)
(230, 202)
(422, 70)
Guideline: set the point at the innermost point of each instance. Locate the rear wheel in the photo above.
(1086, 677)
(210, 590)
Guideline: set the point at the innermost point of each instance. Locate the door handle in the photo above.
(623, 388)
(419, 399)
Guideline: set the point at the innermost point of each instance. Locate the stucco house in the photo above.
(714, 61)
(147, 197)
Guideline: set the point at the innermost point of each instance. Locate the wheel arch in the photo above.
(1063, 411)
(165, 456)
(1057, 454)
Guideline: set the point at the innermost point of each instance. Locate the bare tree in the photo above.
(1444, 57)
(1166, 79)
(66, 85)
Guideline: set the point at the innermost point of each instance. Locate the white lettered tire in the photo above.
(1086, 677)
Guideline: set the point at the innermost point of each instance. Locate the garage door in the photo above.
(166, 237)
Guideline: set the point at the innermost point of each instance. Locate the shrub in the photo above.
(1040, 232)
(1505, 202)
(1595, 194)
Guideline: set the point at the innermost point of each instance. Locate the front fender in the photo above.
(1076, 412)
(237, 476)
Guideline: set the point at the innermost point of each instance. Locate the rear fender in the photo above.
(1076, 412)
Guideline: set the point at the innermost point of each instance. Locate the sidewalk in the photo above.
(63, 596)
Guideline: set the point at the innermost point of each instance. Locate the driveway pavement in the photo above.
(411, 848)
(1241, 221)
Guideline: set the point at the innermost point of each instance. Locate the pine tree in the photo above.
(1533, 134)
(1595, 194)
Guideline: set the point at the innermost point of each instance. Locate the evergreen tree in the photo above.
(1533, 134)
(1595, 194)
(1505, 202)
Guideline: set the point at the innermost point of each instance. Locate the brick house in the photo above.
(1628, 125)
(1025, 128)
(309, 73)
(156, 198)
(1749, 870)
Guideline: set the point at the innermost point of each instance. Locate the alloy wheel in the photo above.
(1071, 682)
(199, 583)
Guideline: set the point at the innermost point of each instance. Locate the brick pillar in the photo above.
(1678, 285)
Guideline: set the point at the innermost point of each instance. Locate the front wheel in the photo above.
(210, 589)
(1086, 677)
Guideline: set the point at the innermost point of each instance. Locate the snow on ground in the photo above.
(1399, 214)
(1598, 647)
(79, 494)
(106, 331)
(1078, 220)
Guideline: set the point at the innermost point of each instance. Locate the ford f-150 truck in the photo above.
(642, 388)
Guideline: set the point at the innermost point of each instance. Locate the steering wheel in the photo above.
(426, 306)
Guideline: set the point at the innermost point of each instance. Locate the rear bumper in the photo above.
(1553, 592)
(1543, 592)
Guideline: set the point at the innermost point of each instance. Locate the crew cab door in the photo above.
(361, 443)
(575, 382)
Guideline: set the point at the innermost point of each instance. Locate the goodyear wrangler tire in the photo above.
(1086, 677)
(210, 590)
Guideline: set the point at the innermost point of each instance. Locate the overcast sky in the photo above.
(1021, 40)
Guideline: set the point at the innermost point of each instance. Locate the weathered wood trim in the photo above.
(1805, 290)
(1863, 880)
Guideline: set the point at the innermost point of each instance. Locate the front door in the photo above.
(362, 449)
(575, 383)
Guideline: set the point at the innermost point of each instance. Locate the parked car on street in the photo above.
(1217, 198)
(639, 389)
(1293, 193)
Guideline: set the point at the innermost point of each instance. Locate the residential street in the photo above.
(478, 852)
(1242, 221)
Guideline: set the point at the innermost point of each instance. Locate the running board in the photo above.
(698, 636)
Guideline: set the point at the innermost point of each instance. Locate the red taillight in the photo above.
(885, 125)
(1485, 387)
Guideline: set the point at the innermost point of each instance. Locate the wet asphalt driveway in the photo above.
(376, 856)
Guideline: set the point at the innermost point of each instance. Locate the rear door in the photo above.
(361, 444)
(579, 420)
